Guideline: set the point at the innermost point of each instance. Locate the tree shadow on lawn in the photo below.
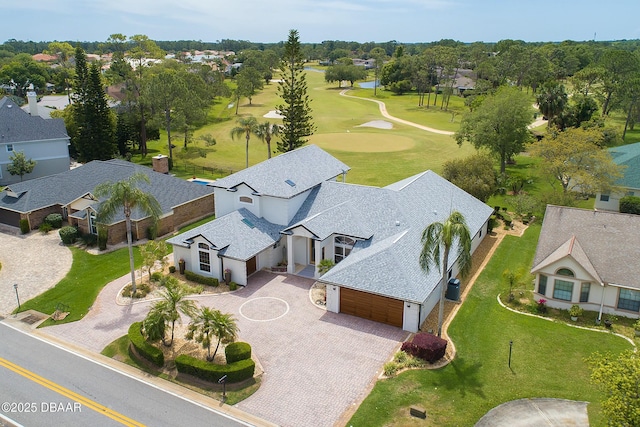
(462, 376)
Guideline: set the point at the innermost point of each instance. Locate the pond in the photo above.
(368, 85)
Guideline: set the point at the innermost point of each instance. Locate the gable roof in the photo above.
(288, 174)
(629, 156)
(385, 261)
(65, 187)
(604, 243)
(239, 234)
(16, 125)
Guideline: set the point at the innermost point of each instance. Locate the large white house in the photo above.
(296, 210)
(589, 258)
(43, 140)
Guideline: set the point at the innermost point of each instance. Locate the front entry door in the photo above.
(312, 252)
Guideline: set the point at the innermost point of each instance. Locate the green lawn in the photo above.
(81, 286)
(333, 115)
(548, 359)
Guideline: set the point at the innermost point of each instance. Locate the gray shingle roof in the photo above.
(65, 187)
(605, 241)
(17, 125)
(387, 263)
(305, 167)
(234, 235)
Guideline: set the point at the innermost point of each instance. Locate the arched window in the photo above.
(342, 247)
(246, 199)
(204, 257)
(565, 272)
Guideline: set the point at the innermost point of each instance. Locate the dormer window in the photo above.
(565, 272)
(246, 199)
(342, 247)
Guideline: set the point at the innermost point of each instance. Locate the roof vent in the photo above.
(291, 183)
(397, 223)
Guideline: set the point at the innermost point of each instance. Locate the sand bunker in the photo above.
(273, 114)
(379, 124)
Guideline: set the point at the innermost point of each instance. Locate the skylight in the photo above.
(249, 223)
(291, 183)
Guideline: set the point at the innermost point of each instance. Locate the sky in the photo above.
(269, 21)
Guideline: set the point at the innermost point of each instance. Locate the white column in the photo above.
(318, 250)
(291, 264)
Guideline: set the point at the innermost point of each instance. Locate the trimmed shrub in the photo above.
(235, 372)
(237, 351)
(54, 220)
(103, 237)
(152, 232)
(211, 281)
(24, 226)
(172, 269)
(45, 228)
(630, 204)
(90, 240)
(156, 277)
(143, 347)
(233, 286)
(426, 346)
(68, 234)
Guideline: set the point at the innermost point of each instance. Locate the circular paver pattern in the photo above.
(264, 309)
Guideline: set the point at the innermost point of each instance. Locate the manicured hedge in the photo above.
(24, 226)
(211, 281)
(235, 372)
(426, 346)
(630, 204)
(68, 235)
(143, 347)
(237, 351)
(54, 219)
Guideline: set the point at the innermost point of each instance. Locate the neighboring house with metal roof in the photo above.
(589, 258)
(45, 141)
(295, 210)
(627, 156)
(70, 194)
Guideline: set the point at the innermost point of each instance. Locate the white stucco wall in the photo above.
(614, 200)
(238, 270)
(333, 298)
(430, 303)
(411, 317)
(51, 157)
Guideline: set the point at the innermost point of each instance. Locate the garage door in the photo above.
(373, 307)
(10, 218)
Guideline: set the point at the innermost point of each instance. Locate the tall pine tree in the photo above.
(94, 135)
(297, 121)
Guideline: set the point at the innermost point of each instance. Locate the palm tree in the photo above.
(128, 196)
(265, 131)
(168, 309)
(209, 323)
(246, 126)
(439, 238)
(551, 100)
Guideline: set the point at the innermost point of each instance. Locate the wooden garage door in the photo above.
(372, 307)
(251, 266)
(9, 217)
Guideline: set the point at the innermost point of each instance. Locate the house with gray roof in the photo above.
(43, 140)
(589, 258)
(69, 193)
(295, 210)
(627, 156)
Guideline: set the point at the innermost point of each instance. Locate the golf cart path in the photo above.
(383, 111)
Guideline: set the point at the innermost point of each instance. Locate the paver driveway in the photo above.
(316, 364)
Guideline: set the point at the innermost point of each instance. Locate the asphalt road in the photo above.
(43, 385)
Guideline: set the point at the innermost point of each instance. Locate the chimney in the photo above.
(160, 163)
(33, 103)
